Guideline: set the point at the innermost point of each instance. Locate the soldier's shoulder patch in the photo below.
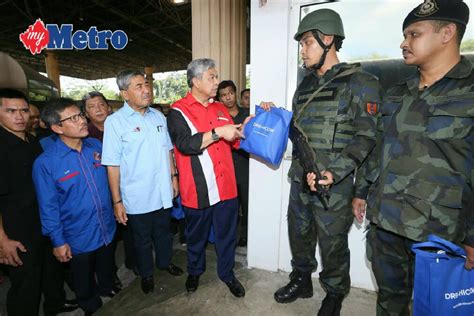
(372, 108)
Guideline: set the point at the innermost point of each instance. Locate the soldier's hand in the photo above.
(311, 179)
(63, 253)
(358, 209)
(267, 106)
(469, 265)
(120, 213)
(328, 178)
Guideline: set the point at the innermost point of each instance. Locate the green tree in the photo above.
(170, 89)
(77, 92)
(373, 56)
(467, 46)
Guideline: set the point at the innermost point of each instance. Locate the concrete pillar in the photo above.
(219, 32)
(52, 68)
(149, 76)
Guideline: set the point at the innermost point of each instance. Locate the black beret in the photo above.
(443, 10)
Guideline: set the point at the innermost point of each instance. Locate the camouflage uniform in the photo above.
(342, 133)
(424, 180)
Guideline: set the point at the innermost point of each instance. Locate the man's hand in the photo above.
(469, 265)
(63, 253)
(175, 187)
(229, 132)
(327, 180)
(358, 209)
(8, 251)
(120, 213)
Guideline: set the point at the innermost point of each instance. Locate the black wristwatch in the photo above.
(215, 137)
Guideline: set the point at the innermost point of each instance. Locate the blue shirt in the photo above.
(74, 197)
(140, 146)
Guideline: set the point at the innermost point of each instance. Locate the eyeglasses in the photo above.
(74, 118)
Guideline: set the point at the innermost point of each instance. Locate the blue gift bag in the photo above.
(266, 135)
(442, 285)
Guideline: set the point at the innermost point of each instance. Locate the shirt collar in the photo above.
(190, 100)
(12, 139)
(62, 149)
(128, 111)
(461, 70)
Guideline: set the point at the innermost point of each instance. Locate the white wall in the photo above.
(273, 78)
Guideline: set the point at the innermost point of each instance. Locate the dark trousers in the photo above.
(223, 216)
(243, 191)
(88, 266)
(309, 224)
(40, 274)
(148, 228)
(125, 233)
(393, 267)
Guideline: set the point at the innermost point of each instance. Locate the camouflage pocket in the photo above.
(453, 119)
(435, 202)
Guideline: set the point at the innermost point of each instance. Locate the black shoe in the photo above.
(299, 287)
(112, 293)
(173, 270)
(192, 283)
(294, 274)
(148, 285)
(236, 288)
(331, 305)
(68, 306)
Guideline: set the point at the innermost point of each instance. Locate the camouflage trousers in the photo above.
(393, 266)
(308, 224)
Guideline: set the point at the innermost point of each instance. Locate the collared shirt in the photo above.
(95, 132)
(74, 197)
(206, 176)
(18, 203)
(425, 159)
(140, 146)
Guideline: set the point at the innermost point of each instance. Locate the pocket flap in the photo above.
(441, 194)
(456, 108)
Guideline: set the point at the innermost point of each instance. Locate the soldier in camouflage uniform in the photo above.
(424, 178)
(340, 126)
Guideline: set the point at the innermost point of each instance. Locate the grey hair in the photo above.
(197, 67)
(123, 78)
(91, 95)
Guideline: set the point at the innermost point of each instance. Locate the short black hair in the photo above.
(9, 93)
(225, 84)
(51, 112)
(243, 91)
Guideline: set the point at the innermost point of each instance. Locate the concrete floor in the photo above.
(213, 297)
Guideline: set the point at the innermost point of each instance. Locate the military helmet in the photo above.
(326, 21)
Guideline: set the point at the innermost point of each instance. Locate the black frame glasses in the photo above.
(74, 118)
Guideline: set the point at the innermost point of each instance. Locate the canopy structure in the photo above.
(159, 34)
(19, 76)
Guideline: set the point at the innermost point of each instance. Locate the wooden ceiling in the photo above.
(159, 34)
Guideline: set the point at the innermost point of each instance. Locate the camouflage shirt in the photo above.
(424, 177)
(338, 122)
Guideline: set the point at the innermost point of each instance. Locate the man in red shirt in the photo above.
(203, 134)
